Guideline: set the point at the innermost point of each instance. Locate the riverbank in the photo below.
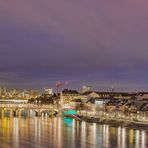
(112, 122)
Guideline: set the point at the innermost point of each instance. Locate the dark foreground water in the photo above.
(66, 133)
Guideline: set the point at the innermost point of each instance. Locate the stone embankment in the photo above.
(112, 122)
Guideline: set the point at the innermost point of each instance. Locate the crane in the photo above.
(60, 84)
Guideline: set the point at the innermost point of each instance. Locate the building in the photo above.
(70, 95)
(86, 89)
(48, 91)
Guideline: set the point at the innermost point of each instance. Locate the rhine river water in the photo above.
(58, 132)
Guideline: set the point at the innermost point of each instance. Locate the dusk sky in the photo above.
(86, 42)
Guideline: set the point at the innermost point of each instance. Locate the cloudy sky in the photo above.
(95, 42)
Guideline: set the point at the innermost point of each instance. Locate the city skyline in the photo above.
(97, 43)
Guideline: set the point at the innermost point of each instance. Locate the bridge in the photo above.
(19, 107)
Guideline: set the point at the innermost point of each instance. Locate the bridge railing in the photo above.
(27, 106)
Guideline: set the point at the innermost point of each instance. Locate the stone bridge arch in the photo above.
(29, 110)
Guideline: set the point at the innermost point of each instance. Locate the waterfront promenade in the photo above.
(115, 118)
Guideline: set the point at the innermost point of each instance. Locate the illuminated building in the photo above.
(86, 88)
(48, 91)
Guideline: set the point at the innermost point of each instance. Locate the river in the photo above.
(58, 132)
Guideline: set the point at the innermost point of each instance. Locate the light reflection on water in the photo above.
(66, 133)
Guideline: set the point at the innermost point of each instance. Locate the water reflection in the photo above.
(143, 143)
(83, 134)
(68, 121)
(94, 133)
(64, 133)
(119, 136)
(16, 133)
(137, 139)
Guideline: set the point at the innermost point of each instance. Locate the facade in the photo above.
(111, 101)
(97, 99)
(48, 91)
(70, 95)
(142, 101)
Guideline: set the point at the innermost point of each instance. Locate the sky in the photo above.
(101, 43)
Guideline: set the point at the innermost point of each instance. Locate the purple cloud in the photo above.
(83, 41)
